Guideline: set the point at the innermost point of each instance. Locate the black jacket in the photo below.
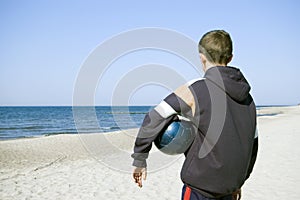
(224, 150)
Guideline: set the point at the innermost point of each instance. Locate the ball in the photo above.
(177, 138)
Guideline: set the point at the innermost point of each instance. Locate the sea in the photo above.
(36, 121)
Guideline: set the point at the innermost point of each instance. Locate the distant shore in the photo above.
(97, 166)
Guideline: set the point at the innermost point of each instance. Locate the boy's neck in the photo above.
(209, 65)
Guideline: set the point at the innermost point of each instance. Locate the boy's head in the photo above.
(216, 46)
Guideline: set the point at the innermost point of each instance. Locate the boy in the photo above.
(224, 150)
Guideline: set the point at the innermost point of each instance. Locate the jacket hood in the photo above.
(231, 80)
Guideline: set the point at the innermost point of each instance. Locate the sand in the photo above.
(98, 166)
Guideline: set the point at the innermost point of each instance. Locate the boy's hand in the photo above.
(237, 195)
(138, 174)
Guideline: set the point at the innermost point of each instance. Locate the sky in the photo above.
(44, 44)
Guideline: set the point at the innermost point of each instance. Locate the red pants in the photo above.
(189, 194)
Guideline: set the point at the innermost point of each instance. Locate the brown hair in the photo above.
(216, 46)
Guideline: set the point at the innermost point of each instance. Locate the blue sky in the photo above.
(43, 45)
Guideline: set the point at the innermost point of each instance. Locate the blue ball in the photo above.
(177, 138)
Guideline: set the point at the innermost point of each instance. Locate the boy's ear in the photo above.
(203, 61)
(203, 58)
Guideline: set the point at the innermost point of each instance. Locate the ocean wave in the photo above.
(114, 128)
(21, 128)
(267, 114)
(59, 133)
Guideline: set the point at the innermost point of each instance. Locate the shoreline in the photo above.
(262, 111)
(98, 166)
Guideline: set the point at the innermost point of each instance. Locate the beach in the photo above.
(98, 166)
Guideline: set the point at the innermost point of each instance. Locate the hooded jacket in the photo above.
(224, 150)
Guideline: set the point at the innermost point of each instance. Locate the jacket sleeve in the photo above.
(253, 156)
(155, 122)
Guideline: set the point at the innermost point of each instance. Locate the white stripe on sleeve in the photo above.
(164, 109)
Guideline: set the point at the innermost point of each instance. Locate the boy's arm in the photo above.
(181, 101)
(152, 126)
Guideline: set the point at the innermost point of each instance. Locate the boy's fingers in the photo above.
(145, 174)
(138, 178)
(139, 181)
(139, 174)
(135, 176)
